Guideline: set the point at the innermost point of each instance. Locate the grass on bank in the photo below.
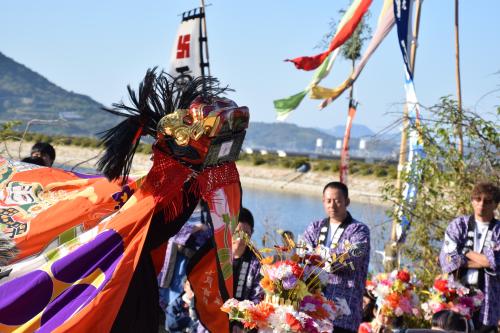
(379, 169)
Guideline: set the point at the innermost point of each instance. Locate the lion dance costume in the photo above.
(87, 250)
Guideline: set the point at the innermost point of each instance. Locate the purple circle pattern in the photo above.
(23, 298)
(65, 305)
(26, 296)
(104, 253)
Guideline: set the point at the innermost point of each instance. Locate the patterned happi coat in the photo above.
(180, 249)
(246, 278)
(451, 259)
(346, 283)
(190, 241)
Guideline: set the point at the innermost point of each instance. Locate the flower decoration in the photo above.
(448, 294)
(292, 281)
(395, 293)
(283, 318)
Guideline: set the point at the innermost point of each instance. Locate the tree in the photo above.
(446, 180)
(350, 50)
(6, 130)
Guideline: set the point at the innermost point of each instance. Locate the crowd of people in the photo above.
(470, 254)
(176, 296)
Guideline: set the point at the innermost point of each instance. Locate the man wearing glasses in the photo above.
(471, 251)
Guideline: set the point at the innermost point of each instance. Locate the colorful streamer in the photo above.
(286, 105)
(344, 155)
(402, 14)
(384, 26)
(353, 16)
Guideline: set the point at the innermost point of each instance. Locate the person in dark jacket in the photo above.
(180, 314)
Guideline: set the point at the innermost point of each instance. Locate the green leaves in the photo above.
(444, 191)
(6, 130)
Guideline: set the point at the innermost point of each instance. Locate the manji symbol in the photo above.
(183, 46)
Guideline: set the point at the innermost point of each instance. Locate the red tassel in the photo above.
(137, 135)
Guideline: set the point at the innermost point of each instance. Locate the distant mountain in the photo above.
(357, 131)
(285, 136)
(26, 95)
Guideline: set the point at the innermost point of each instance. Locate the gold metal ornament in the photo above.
(181, 135)
(182, 127)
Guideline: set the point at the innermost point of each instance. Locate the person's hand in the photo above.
(187, 300)
(378, 326)
(477, 260)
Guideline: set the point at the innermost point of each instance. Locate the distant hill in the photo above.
(357, 131)
(286, 136)
(26, 95)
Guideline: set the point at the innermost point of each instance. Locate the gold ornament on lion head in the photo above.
(208, 133)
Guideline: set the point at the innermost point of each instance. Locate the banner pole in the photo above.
(205, 34)
(391, 251)
(458, 129)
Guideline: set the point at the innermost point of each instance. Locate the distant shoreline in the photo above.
(362, 189)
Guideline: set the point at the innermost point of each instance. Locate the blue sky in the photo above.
(98, 47)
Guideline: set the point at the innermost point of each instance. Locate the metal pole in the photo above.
(205, 32)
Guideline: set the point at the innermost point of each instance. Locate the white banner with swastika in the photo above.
(186, 59)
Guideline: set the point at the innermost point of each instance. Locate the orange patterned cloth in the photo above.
(42, 206)
(81, 285)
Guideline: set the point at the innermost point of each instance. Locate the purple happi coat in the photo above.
(246, 278)
(346, 283)
(187, 240)
(451, 259)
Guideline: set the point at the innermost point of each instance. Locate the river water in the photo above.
(274, 210)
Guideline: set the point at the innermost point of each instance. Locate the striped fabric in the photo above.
(352, 18)
(403, 15)
(284, 106)
(385, 24)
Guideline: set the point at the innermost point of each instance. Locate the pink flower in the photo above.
(405, 304)
(309, 326)
(436, 307)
